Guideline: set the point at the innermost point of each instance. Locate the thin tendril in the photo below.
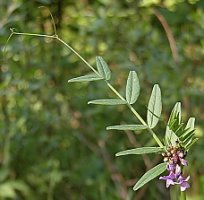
(52, 19)
(6, 44)
(7, 41)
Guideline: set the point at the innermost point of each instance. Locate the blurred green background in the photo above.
(55, 146)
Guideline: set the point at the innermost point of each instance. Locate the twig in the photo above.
(169, 34)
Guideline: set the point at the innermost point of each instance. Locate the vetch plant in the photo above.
(178, 138)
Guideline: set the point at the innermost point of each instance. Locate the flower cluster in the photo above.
(175, 156)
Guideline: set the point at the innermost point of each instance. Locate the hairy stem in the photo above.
(55, 36)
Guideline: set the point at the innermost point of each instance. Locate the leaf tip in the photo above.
(135, 188)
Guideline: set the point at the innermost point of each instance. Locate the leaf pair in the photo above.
(103, 73)
(152, 173)
(132, 89)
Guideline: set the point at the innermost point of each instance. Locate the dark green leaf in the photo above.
(142, 150)
(132, 127)
(132, 87)
(154, 107)
(109, 102)
(149, 175)
(103, 68)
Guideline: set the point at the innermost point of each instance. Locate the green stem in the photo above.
(183, 196)
(174, 192)
(92, 68)
(136, 114)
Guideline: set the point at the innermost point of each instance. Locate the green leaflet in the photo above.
(190, 126)
(188, 146)
(170, 137)
(149, 175)
(175, 130)
(103, 68)
(142, 150)
(109, 102)
(85, 78)
(154, 107)
(188, 136)
(175, 113)
(174, 126)
(191, 123)
(132, 127)
(132, 87)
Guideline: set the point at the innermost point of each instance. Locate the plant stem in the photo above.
(158, 141)
(183, 196)
(174, 192)
(136, 114)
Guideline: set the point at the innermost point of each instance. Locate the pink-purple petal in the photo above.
(184, 186)
(183, 162)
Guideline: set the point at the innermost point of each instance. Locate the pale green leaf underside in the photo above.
(132, 127)
(108, 102)
(191, 123)
(149, 175)
(132, 87)
(142, 150)
(103, 68)
(154, 107)
(85, 78)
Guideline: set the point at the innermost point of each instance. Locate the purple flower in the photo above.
(175, 168)
(183, 183)
(177, 171)
(181, 158)
(175, 158)
(171, 167)
(169, 179)
(175, 177)
(183, 161)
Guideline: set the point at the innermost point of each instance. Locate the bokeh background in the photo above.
(53, 146)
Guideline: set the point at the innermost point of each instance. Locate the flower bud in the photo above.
(181, 154)
(163, 154)
(166, 159)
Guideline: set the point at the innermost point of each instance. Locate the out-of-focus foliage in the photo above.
(55, 146)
